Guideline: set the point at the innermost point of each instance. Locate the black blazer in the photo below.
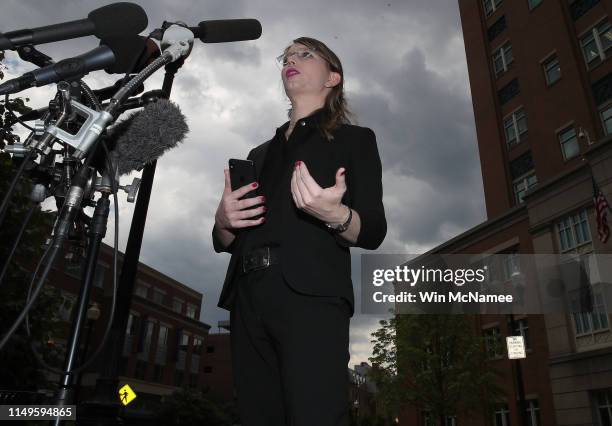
(314, 260)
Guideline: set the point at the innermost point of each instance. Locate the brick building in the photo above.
(541, 86)
(164, 339)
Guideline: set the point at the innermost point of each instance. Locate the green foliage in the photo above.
(435, 363)
(188, 407)
(18, 367)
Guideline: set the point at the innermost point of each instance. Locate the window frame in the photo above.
(494, 7)
(521, 180)
(502, 52)
(512, 120)
(593, 35)
(583, 218)
(562, 143)
(531, 6)
(545, 67)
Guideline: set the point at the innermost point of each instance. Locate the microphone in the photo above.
(117, 19)
(227, 30)
(145, 135)
(116, 55)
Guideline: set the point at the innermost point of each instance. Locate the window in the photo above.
(533, 412)
(573, 231)
(493, 342)
(146, 340)
(497, 28)
(490, 6)
(569, 142)
(66, 305)
(590, 321)
(429, 420)
(159, 296)
(177, 305)
(509, 91)
(501, 415)
(552, 70)
(606, 119)
(533, 3)
(191, 310)
(75, 270)
(142, 290)
(521, 328)
(603, 399)
(197, 345)
(579, 7)
(522, 184)
(502, 58)
(207, 369)
(162, 345)
(515, 127)
(130, 332)
(596, 44)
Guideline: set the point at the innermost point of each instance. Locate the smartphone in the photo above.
(242, 172)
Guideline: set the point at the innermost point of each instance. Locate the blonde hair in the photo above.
(335, 109)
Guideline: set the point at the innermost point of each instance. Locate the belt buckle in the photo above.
(266, 262)
(267, 257)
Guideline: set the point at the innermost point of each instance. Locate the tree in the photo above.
(436, 363)
(188, 407)
(18, 367)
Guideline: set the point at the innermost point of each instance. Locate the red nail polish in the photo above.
(263, 219)
(254, 185)
(342, 174)
(263, 198)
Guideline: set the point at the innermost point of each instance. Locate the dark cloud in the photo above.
(406, 78)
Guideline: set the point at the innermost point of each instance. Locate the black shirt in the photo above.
(275, 181)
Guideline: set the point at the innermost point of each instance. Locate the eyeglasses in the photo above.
(302, 55)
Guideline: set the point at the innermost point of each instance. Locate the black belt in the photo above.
(259, 258)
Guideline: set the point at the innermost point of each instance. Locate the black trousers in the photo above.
(290, 353)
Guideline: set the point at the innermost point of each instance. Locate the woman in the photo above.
(288, 286)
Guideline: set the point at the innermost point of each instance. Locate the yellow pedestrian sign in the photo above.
(126, 395)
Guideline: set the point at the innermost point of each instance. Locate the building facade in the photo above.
(541, 89)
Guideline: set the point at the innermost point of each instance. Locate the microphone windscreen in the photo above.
(128, 51)
(226, 30)
(118, 19)
(145, 135)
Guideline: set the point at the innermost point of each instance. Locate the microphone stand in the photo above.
(97, 232)
(105, 409)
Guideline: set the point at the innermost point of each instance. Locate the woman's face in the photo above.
(308, 75)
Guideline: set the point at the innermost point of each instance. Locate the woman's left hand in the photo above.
(323, 203)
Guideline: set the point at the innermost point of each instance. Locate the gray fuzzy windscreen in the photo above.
(145, 135)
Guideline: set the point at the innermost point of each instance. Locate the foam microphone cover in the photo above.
(118, 19)
(145, 135)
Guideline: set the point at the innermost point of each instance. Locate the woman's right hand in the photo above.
(234, 213)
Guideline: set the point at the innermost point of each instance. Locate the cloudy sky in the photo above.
(405, 77)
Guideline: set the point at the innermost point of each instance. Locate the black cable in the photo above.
(84, 365)
(17, 240)
(9, 193)
(55, 250)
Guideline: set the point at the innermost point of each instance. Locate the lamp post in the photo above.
(516, 278)
(93, 314)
